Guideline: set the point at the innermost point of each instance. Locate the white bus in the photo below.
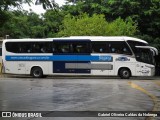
(106, 56)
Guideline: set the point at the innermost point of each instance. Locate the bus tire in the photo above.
(124, 73)
(37, 72)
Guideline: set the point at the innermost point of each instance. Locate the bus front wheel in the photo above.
(124, 73)
(37, 72)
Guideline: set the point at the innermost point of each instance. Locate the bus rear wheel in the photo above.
(125, 73)
(37, 72)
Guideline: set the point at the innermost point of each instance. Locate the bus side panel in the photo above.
(9, 69)
(99, 69)
(147, 69)
(21, 66)
(104, 65)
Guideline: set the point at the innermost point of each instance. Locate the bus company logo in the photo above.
(122, 59)
(6, 114)
(105, 58)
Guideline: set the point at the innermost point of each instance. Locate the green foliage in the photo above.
(145, 12)
(4, 16)
(22, 25)
(122, 27)
(96, 25)
(86, 6)
(52, 21)
(30, 25)
(6, 4)
(47, 3)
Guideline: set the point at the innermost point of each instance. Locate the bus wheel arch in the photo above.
(124, 72)
(36, 72)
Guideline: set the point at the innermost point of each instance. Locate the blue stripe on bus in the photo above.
(105, 58)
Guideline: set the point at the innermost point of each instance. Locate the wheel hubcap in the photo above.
(36, 73)
(125, 73)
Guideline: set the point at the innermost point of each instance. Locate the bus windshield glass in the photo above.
(145, 56)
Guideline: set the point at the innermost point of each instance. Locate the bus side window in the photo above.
(41, 47)
(12, 47)
(99, 47)
(119, 47)
(36, 47)
(80, 47)
(53, 48)
(49, 48)
(43, 50)
(45, 47)
(61, 47)
(29, 47)
(65, 48)
(113, 50)
(113, 47)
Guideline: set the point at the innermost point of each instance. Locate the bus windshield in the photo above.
(145, 56)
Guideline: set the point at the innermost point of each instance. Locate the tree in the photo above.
(23, 25)
(77, 7)
(36, 26)
(96, 25)
(52, 20)
(5, 6)
(145, 12)
(15, 25)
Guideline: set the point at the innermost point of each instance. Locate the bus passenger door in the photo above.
(81, 48)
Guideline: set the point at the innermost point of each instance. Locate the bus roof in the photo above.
(101, 38)
(92, 38)
(25, 39)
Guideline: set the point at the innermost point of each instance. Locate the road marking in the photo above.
(153, 97)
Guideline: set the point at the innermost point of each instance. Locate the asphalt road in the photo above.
(80, 94)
